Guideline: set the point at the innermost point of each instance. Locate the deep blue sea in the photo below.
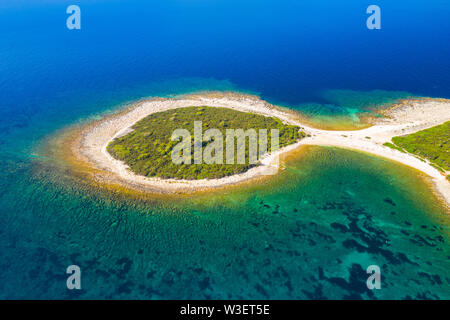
(315, 56)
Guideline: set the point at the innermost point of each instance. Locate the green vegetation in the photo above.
(393, 146)
(147, 150)
(432, 144)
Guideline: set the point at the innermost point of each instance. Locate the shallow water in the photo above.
(308, 233)
(347, 109)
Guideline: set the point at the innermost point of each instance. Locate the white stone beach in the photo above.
(412, 116)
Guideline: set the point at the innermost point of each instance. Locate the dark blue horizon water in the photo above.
(288, 52)
(315, 56)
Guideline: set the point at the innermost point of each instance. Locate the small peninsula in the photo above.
(431, 145)
(127, 148)
(147, 148)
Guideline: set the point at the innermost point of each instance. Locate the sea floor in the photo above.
(308, 233)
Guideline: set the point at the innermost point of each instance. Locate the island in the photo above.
(148, 147)
(131, 148)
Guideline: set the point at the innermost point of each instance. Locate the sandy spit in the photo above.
(405, 118)
(95, 138)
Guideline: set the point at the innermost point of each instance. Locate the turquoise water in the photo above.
(346, 109)
(308, 233)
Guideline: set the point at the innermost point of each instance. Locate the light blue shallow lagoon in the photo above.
(308, 233)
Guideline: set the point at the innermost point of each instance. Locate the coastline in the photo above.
(404, 118)
(91, 147)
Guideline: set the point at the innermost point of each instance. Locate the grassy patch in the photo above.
(393, 146)
(147, 150)
(432, 144)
